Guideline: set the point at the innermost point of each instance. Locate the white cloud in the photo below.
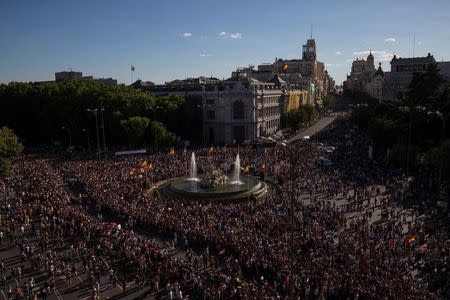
(205, 55)
(419, 43)
(390, 40)
(338, 52)
(227, 35)
(187, 34)
(378, 55)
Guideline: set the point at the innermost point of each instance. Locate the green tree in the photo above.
(328, 101)
(134, 128)
(299, 118)
(25, 105)
(161, 135)
(424, 86)
(9, 147)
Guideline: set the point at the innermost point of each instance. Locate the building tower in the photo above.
(370, 61)
(309, 50)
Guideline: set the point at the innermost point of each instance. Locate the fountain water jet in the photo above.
(237, 171)
(193, 169)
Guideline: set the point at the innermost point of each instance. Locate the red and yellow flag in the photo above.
(144, 164)
(263, 167)
(246, 170)
(211, 150)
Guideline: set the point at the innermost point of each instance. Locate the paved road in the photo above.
(315, 128)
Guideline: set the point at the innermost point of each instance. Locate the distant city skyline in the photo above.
(170, 40)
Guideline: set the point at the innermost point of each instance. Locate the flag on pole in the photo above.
(133, 68)
(144, 164)
(211, 150)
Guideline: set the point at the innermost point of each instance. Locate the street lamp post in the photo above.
(154, 109)
(103, 132)
(441, 116)
(70, 137)
(203, 108)
(94, 111)
(294, 159)
(410, 110)
(88, 139)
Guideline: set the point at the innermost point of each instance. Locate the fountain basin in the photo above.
(231, 191)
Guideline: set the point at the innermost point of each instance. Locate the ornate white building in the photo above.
(242, 109)
(363, 78)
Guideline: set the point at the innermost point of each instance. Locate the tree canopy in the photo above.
(9, 146)
(299, 118)
(38, 111)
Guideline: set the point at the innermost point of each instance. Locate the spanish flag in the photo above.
(144, 164)
(211, 150)
(263, 167)
(246, 170)
(285, 67)
(172, 152)
(410, 239)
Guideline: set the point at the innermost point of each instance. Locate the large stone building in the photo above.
(242, 109)
(402, 70)
(235, 110)
(305, 74)
(388, 85)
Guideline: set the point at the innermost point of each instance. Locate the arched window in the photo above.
(238, 110)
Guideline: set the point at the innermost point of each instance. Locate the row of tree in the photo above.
(42, 113)
(300, 118)
(410, 131)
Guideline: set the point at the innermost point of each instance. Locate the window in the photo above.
(210, 101)
(211, 114)
(238, 110)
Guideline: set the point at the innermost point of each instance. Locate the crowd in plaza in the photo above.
(73, 216)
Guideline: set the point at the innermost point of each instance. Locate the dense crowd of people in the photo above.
(73, 216)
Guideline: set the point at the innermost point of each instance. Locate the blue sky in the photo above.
(171, 39)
